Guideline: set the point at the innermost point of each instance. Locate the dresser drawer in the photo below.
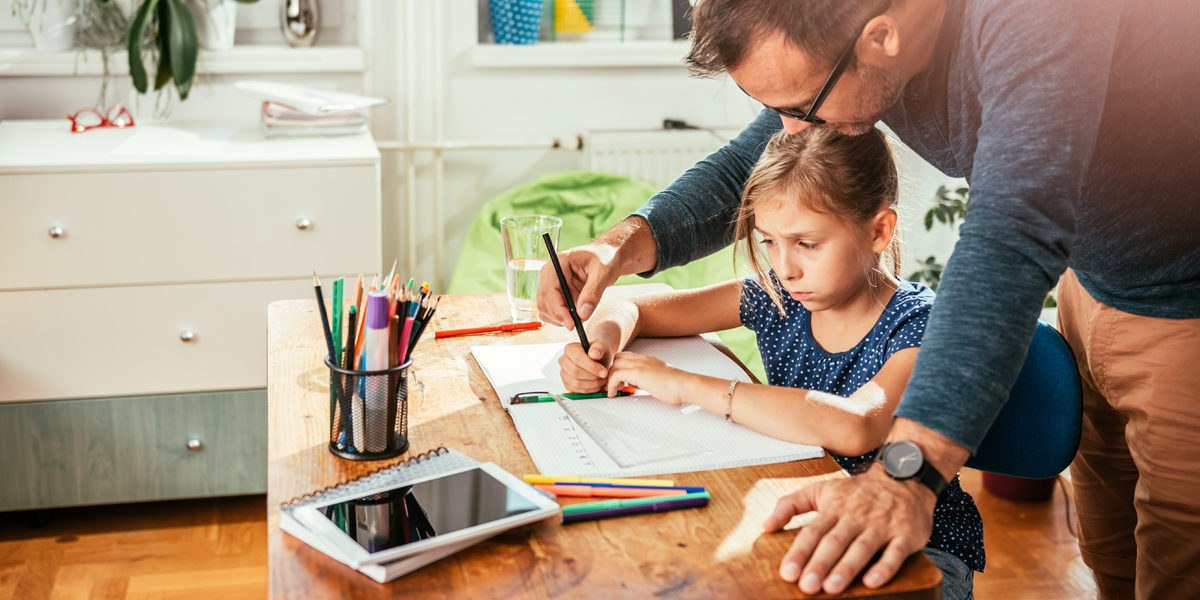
(129, 228)
(128, 341)
(77, 452)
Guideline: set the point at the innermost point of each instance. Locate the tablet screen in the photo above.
(428, 509)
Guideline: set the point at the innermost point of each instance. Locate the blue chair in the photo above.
(1037, 432)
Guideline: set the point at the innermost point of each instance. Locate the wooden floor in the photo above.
(217, 549)
(199, 549)
(1030, 553)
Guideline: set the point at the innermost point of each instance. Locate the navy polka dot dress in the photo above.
(793, 358)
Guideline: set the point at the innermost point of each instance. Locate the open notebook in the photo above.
(632, 435)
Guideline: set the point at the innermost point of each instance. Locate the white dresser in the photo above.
(136, 267)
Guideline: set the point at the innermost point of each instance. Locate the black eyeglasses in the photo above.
(809, 116)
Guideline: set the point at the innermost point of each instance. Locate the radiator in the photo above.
(655, 157)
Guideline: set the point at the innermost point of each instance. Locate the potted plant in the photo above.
(50, 22)
(168, 30)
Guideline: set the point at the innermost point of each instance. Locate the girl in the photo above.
(838, 335)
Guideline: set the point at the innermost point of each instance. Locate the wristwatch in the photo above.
(904, 460)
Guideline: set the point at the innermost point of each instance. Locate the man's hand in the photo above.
(857, 517)
(862, 515)
(589, 271)
(628, 247)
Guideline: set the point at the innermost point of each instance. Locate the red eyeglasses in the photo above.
(90, 118)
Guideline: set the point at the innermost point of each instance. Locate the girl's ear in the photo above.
(883, 229)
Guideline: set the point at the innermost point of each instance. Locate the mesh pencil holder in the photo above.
(369, 417)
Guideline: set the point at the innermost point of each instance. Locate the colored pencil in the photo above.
(552, 479)
(662, 506)
(491, 329)
(587, 491)
(688, 489)
(629, 502)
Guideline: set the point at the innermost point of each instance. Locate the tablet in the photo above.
(442, 511)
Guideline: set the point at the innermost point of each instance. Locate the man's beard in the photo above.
(882, 89)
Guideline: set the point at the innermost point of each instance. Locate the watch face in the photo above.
(902, 459)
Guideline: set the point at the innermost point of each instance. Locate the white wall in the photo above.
(480, 104)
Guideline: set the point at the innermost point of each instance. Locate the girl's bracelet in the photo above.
(729, 400)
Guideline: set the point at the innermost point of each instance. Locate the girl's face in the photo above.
(821, 260)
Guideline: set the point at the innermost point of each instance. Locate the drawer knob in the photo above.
(195, 445)
(303, 224)
(56, 232)
(187, 336)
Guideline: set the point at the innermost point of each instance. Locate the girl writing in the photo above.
(837, 329)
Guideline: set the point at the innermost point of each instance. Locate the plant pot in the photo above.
(216, 22)
(1019, 489)
(52, 24)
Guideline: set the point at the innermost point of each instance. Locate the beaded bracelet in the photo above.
(729, 400)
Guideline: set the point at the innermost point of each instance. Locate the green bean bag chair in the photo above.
(588, 204)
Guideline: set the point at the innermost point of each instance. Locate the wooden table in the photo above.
(712, 552)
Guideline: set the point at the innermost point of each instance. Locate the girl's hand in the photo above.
(646, 373)
(585, 372)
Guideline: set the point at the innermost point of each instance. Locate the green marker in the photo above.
(537, 398)
(611, 504)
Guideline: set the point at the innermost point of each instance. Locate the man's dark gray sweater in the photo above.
(1077, 127)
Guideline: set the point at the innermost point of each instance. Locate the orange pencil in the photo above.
(492, 329)
(587, 491)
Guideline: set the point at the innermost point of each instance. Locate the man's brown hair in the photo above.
(723, 30)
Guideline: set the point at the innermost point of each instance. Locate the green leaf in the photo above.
(962, 191)
(941, 214)
(184, 44)
(163, 74)
(137, 32)
(929, 220)
(247, 1)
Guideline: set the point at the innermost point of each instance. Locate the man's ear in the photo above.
(882, 35)
(883, 229)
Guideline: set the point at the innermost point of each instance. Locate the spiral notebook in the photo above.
(432, 464)
(629, 436)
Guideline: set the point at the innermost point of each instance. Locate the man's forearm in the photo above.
(633, 243)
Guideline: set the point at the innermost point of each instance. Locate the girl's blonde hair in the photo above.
(850, 176)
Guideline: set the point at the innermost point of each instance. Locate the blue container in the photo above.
(516, 21)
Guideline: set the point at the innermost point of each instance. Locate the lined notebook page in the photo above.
(560, 446)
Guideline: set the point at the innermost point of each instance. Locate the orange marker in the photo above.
(587, 491)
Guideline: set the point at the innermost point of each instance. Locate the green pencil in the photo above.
(623, 503)
(337, 337)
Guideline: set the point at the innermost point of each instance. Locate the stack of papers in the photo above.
(282, 121)
(292, 110)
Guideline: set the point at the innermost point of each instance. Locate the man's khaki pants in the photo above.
(1137, 474)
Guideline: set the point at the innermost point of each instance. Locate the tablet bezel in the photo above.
(311, 517)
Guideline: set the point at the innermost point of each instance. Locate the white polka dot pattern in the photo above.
(794, 359)
(516, 21)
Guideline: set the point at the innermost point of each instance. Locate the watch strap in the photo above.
(932, 479)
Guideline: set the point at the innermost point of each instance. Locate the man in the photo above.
(1076, 125)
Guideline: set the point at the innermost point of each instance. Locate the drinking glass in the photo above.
(524, 255)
